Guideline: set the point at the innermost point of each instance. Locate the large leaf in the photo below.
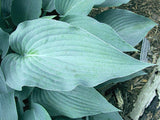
(23, 10)
(4, 42)
(37, 112)
(112, 3)
(5, 7)
(130, 26)
(48, 5)
(101, 30)
(7, 102)
(54, 55)
(74, 7)
(78, 103)
(107, 116)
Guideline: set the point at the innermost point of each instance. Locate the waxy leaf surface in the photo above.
(57, 56)
(74, 7)
(77, 103)
(37, 112)
(4, 42)
(7, 101)
(48, 5)
(23, 10)
(100, 30)
(130, 26)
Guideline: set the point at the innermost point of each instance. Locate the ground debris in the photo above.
(147, 94)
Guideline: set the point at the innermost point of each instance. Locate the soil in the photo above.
(130, 90)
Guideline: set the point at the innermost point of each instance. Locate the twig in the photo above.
(147, 94)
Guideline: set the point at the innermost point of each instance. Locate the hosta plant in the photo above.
(52, 66)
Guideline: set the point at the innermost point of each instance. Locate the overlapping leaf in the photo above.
(101, 30)
(37, 112)
(23, 10)
(97, 2)
(3, 87)
(8, 107)
(4, 42)
(24, 94)
(2, 23)
(7, 102)
(77, 103)
(5, 7)
(107, 116)
(130, 26)
(112, 3)
(48, 5)
(54, 55)
(74, 7)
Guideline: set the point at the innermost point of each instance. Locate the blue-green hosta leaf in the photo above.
(7, 102)
(112, 3)
(6, 7)
(107, 116)
(57, 56)
(20, 108)
(101, 30)
(3, 87)
(37, 112)
(73, 7)
(78, 103)
(4, 42)
(48, 5)
(110, 83)
(97, 2)
(8, 107)
(2, 23)
(49, 17)
(21, 96)
(25, 93)
(130, 26)
(23, 10)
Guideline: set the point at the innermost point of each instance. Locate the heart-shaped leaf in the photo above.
(74, 7)
(78, 103)
(4, 42)
(37, 112)
(23, 10)
(57, 56)
(130, 26)
(100, 30)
